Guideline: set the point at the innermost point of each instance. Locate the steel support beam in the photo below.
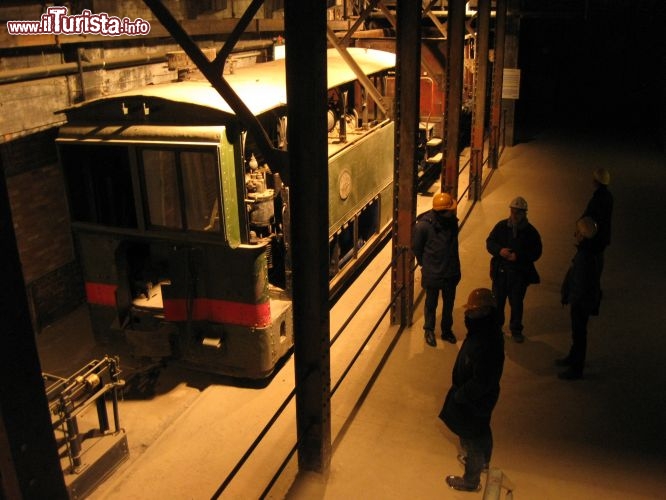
(306, 29)
(498, 71)
(408, 57)
(29, 462)
(453, 95)
(479, 98)
(512, 39)
(360, 75)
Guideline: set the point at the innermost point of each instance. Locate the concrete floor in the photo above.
(600, 437)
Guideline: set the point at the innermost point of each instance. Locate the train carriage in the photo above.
(182, 228)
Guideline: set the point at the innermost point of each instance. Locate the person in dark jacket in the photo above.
(582, 292)
(475, 388)
(600, 209)
(515, 245)
(435, 246)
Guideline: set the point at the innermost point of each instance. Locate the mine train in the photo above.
(182, 227)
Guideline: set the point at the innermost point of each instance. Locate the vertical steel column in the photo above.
(512, 39)
(29, 463)
(498, 71)
(453, 95)
(408, 71)
(479, 97)
(305, 34)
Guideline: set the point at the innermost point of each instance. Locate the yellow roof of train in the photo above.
(261, 86)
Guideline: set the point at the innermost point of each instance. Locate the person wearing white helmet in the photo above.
(475, 388)
(581, 290)
(515, 245)
(600, 208)
(435, 246)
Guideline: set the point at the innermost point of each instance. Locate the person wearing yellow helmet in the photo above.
(435, 246)
(475, 388)
(515, 245)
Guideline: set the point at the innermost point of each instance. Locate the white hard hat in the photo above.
(519, 203)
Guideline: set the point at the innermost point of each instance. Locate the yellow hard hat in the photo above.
(443, 201)
(586, 227)
(602, 176)
(479, 303)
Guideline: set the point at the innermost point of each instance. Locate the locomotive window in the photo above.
(160, 179)
(181, 189)
(200, 189)
(99, 184)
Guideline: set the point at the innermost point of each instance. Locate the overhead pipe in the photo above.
(65, 69)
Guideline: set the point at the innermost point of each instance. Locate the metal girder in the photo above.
(391, 19)
(360, 20)
(306, 66)
(453, 94)
(211, 71)
(360, 75)
(427, 10)
(408, 46)
(239, 29)
(479, 107)
(498, 69)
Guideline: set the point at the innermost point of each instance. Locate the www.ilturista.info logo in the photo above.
(55, 21)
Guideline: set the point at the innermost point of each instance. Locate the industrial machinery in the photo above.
(182, 228)
(89, 448)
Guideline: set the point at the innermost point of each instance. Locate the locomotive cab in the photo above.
(182, 229)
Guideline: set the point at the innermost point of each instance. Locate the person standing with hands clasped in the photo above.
(435, 246)
(475, 388)
(515, 245)
(581, 290)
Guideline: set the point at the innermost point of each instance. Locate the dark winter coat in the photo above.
(581, 284)
(600, 208)
(475, 380)
(526, 244)
(435, 245)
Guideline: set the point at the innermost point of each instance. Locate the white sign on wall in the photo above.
(511, 83)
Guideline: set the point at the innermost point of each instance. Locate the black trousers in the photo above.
(510, 285)
(448, 298)
(579, 318)
(478, 451)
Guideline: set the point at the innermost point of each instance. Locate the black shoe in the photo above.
(458, 483)
(463, 460)
(430, 338)
(570, 374)
(449, 337)
(563, 361)
(518, 337)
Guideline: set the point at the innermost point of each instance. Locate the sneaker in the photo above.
(449, 337)
(563, 361)
(570, 374)
(463, 460)
(458, 483)
(430, 338)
